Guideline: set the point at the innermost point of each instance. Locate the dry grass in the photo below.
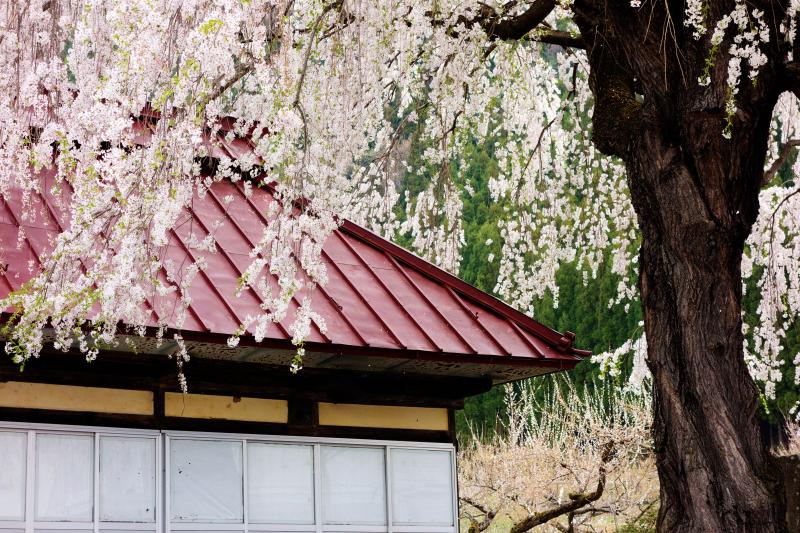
(552, 448)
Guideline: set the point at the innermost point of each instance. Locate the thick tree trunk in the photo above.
(696, 198)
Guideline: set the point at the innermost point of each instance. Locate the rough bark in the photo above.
(696, 197)
(715, 473)
(789, 467)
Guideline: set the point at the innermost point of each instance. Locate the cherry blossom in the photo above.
(327, 92)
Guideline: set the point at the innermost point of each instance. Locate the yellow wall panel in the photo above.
(74, 398)
(225, 407)
(383, 416)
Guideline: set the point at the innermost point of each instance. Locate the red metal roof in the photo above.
(380, 300)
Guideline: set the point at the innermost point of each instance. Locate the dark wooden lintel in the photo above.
(207, 376)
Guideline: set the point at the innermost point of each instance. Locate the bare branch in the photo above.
(559, 38)
(488, 515)
(241, 71)
(310, 46)
(504, 27)
(577, 500)
(500, 26)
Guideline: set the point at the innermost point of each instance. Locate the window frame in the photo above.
(163, 522)
(31, 525)
(25, 474)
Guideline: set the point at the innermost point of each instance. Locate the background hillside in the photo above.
(583, 302)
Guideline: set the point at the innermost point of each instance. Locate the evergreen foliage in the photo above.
(583, 302)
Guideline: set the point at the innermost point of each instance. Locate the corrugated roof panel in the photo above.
(436, 321)
(417, 308)
(344, 291)
(452, 314)
(209, 308)
(378, 296)
(368, 269)
(21, 263)
(168, 305)
(5, 285)
(40, 240)
(502, 328)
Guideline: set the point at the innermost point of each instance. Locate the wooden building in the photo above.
(362, 439)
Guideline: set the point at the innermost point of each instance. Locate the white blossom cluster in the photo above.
(325, 92)
(553, 220)
(610, 361)
(751, 33)
(772, 263)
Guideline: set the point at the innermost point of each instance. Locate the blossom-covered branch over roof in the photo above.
(379, 298)
(325, 91)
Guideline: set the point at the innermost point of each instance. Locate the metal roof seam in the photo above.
(233, 264)
(392, 295)
(189, 307)
(431, 304)
(548, 335)
(344, 316)
(27, 241)
(364, 301)
(349, 283)
(486, 330)
(525, 339)
(322, 290)
(221, 298)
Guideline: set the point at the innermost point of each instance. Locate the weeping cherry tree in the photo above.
(655, 134)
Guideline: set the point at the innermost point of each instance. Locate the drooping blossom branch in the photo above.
(325, 91)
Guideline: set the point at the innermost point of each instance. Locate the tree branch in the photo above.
(786, 151)
(559, 38)
(242, 70)
(488, 515)
(576, 500)
(311, 39)
(500, 26)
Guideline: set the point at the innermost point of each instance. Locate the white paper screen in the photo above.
(421, 487)
(206, 482)
(280, 480)
(127, 479)
(353, 485)
(64, 478)
(13, 451)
